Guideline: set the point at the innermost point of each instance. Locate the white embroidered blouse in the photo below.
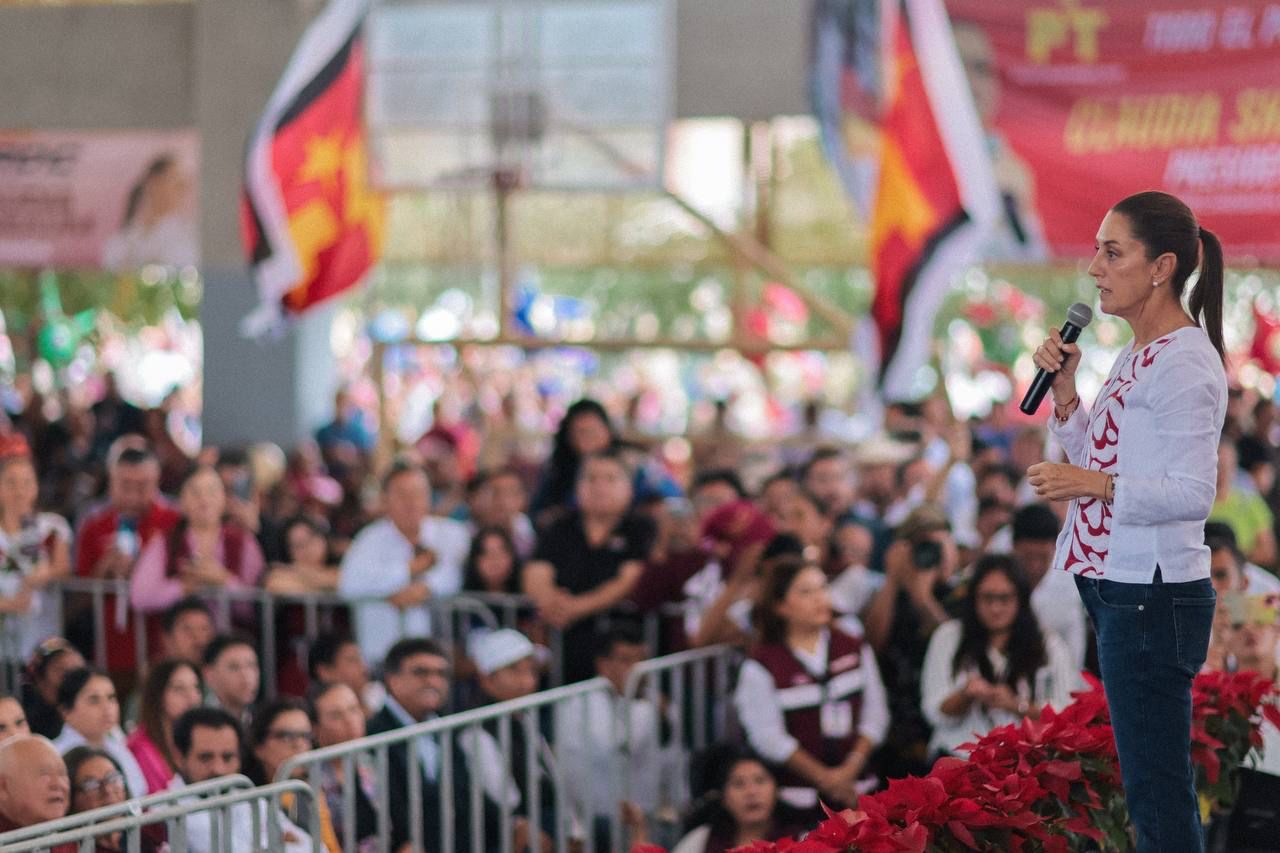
(1155, 425)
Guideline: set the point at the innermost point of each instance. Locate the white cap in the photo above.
(493, 650)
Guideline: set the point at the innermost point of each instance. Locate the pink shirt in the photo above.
(150, 589)
(155, 769)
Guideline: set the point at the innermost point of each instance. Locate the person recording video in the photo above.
(920, 568)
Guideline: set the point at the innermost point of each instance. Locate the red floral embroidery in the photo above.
(1090, 519)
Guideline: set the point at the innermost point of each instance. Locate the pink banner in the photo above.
(116, 200)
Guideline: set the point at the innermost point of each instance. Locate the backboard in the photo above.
(560, 94)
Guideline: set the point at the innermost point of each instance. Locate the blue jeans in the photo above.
(1152, 640)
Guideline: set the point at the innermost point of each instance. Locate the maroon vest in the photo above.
(821, 713)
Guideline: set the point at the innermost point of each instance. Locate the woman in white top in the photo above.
(35, 550)
(809, 697)
(992, 666)
(1141, 479)
(91, 716)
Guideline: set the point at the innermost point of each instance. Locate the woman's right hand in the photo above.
(1061, 360)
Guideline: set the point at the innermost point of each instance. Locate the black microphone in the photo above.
(1078, 316)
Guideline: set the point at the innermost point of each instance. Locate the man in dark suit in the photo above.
(416, 673)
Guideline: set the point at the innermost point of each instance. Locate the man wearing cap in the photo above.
(507, 667)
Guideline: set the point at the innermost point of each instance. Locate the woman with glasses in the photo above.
(96, 782)
(337, 715)
(172, 688)
(91, 717)
(994, 665)
(281, 731)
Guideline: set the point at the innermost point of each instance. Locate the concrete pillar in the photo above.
(252, 391)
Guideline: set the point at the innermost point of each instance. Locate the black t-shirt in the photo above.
(581, 567)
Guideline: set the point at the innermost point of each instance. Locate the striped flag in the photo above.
(311, 225)
(935, 196)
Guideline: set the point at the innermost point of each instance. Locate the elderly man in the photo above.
(34, 787)
(399, 563)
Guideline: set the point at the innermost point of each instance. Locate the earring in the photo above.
(1155, 282)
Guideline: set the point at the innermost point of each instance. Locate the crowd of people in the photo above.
(891, 599)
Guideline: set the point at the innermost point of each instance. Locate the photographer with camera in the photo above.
(920, 567)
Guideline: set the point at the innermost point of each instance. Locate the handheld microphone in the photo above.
(1078, 316)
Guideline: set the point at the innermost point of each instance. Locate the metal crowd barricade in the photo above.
(175, 815)
(451, 733)
(136, 806)
(507, 608)
(223, 602)
(685, 685)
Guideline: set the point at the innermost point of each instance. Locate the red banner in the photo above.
(1088, 101)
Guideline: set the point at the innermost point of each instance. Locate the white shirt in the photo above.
(756, 701)
(114, 745)
(1155, 425)
(1270, 760)
(1261, 581)
(853, 589)
(428, 749)
(21, 554)
(1054, 683)
(376, 566)
(200, 827)
(486, 764)
(695, 841)
(590, 741)
(1060, 611)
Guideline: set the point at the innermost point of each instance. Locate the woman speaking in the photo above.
(1141, 482)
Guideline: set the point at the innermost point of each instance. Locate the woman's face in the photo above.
(750, 793)
(306, 546)
(588, 434)
(1121, 270)
(806, 522)
(203, 498)
(18, 488)
(96, 711)
(339, 716)
(807, 603)
(288, 735)
(996, 599)
(97, 783)
(494, 563)
(181, 694)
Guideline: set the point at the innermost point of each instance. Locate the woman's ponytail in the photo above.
(1207, 298)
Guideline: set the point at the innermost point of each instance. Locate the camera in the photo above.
(926, 554)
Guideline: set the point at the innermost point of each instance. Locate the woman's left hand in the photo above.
(1057, 481)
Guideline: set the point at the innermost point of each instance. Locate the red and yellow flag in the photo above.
(312, 226)
(917, 199)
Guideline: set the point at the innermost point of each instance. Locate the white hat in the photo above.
(883, 450)
(493, 650)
